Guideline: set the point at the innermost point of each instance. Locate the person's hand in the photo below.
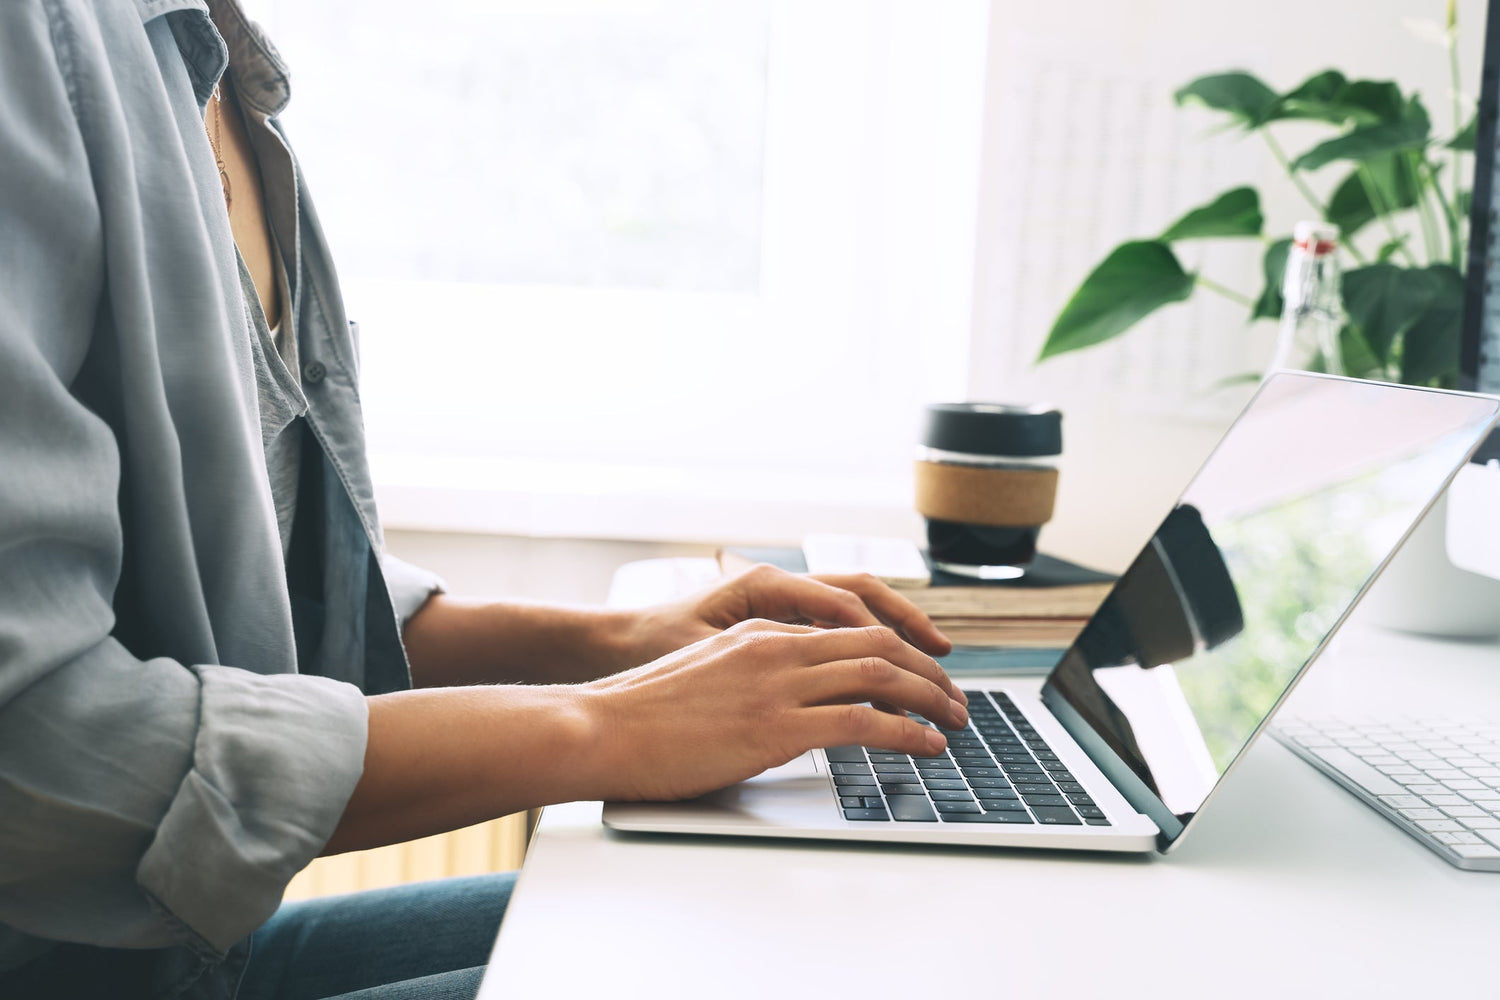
(757, 695)
(776, 595)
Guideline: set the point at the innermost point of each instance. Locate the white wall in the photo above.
(1082, 149)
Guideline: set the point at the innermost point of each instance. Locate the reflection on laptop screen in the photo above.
(1282, 529)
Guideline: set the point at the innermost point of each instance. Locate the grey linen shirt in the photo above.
(182, 716)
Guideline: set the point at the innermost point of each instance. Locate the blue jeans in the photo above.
(424, 941)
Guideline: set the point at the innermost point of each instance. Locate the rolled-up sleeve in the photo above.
(409, 586)
(143, 802)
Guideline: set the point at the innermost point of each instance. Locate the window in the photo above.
(655, 247)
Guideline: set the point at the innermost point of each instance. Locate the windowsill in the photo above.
(634, 502)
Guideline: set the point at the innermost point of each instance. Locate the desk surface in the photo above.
(1288, 887)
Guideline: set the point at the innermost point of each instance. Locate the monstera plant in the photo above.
(1399, 180)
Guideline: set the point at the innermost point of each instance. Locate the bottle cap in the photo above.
(994, 429)
(1317, 238)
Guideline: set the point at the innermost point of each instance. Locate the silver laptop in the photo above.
(1273, 542)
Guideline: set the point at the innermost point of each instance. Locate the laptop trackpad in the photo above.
(797, 767)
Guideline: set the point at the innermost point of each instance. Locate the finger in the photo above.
(895, 610)
(873, 679)
(861, 725)
(853, 643)
(775, 593)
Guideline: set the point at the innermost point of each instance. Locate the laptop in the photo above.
(1268, 550)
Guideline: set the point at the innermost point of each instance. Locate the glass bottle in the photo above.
(1313, 313)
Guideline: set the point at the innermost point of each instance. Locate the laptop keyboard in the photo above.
(997, 770)
(1437, 780)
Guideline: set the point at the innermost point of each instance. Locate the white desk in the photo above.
(1289, 887)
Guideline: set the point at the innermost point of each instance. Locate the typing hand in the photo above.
(773, 594)
(757, 695)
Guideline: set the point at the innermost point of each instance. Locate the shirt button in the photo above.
(314, 372)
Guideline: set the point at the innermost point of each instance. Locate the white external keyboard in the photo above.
(1437, 779)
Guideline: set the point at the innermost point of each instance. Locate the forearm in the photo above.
(445, 759)
(452, 643)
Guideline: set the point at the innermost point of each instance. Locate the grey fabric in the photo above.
(181, 696)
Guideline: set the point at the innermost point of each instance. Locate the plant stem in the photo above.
(1297, 180)
(1458, 123)
(1383, 212)
(1450, 212)
(1228, 293)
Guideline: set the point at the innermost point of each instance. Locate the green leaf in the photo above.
(1355, 356)
(1273, 266)
(1376, 101)
(1430, 349)
(1384, 300)
(1318, 98)
(1390, 248)
(1368, 142)
(1464, 141)
(1135, 280)
(1238, 94)
(1396, 183)
(1233, 213)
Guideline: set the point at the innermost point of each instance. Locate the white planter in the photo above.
(1422, 591)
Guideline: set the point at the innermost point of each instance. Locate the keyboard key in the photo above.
(1080, 798)
(1058, 768)
(933, 774)
(1445, 800)
(865, 814)
(943, 785)
(912, 809)
(957, 807)
(997, 793)
(1087, 810)
(977, 782)
(890, 768)
(1402, 801)
(941, 795)
(988, 817)
(854, 779)
(851, 801)
(1055, 816)
(1069, 786)
(974, 771)
(1096, 821)
(1045, 800)
(845, 755)
(849, 768)
(1482, 823)
(1439, 825)
(1423, 813)
(1029, 788)
(889, 758)
(1002, 805)
(901, 788)
(960, 753)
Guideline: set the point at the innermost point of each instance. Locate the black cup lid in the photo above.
(994, 429)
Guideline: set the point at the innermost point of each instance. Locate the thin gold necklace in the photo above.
(215, 139)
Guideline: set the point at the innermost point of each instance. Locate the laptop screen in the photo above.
(1303, 501)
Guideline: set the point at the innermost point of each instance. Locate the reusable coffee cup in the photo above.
(986, 481)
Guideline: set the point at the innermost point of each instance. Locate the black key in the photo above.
(957, 807)
(912, 809)
(964, 743)
(950, 733)
(1080, 798)
(961, 754)
(989, 783)
(1046, 755)
(1032, 769)
(849, 768)
(1090, 811)
(889, 769)
(1045, 800)
(977, 771)
(1058, 768)
(854, 779)
(851, 801)
(888, 758)
(845, 755)
(865, 814)
(1096, 821)
(1028, 788)
(987, 817)
(1014, 758)
(1070, 786)
(944, 785)
(904, 788)
(874, 801)
(996, 793)
(942, 795)
(1055, 815)
(977, 697)
(1002, 805)
(927, 774)
(941, 760)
